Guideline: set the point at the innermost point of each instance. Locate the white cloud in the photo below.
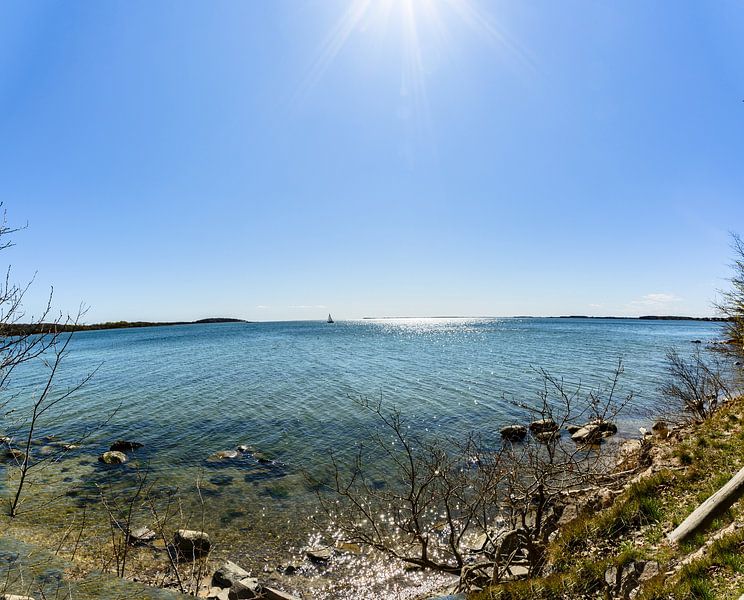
(656, 299)
(308, 306)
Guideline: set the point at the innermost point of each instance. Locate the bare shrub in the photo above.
(697, 382)
(731, 304)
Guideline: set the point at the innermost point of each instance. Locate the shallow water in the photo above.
(287, 390)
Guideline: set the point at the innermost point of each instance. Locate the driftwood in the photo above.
(711, 508)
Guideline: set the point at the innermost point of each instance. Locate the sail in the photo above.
(330, 320)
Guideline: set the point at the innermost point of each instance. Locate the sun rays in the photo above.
(423, 31)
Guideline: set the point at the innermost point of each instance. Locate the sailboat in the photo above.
(330, 320)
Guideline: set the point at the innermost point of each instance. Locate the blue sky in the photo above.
(285, 159)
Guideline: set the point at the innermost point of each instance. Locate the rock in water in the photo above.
(606, 428)
(543, 426)
(228, 574)
(12, 454)
(223, 455)
(588, 434)
(192, 544)
(514, 433)
(247, 587)
(273, 594)
(547, 436)
(112, 457)
(124, 446)
(319, 554)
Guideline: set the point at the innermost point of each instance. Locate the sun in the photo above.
(420, 25)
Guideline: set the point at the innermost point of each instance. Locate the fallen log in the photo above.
(711, 508)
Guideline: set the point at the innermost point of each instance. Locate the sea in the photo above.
(293, 394)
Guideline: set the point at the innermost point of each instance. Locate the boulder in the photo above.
(514, 433)
(605, 498)
(112, 457)
(516, 572)
(543, 425)
(625, 581)
(124, 446)
(569, 513)
(547, 436)
(217, 593)
(572, 428)
(248, 587)
(661, 429)
(606, 428)
(628, 455)
(588, 434)
(192, 544)
(228, 574)
(274, 594)
(5, 440)
(509, 543)
(141, 535)
(223, 455)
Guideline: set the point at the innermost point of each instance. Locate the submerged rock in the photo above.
(113, 457)
(12, 454)
(261, 458)
(547, 436)
(191, 543)
(124, 446)
(223, 455)
(221, 480)
(514, 433)
(349, 547)
(320, 555)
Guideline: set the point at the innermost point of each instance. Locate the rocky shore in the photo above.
(607, 540)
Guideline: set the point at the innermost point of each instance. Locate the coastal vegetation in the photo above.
(731, 304)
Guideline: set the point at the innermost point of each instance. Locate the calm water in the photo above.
(286, 389)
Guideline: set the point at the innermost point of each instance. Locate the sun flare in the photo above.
(422, 30)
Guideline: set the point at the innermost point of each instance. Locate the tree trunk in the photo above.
(711, 508)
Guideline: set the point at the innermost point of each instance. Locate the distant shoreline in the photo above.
(39, 328)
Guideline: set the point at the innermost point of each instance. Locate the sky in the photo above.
(286, 159)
